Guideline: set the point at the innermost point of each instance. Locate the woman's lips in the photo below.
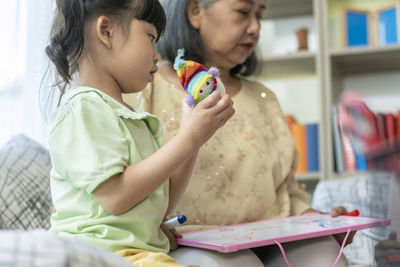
(247, 46)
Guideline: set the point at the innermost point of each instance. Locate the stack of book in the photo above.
(351, 157)
(306, 139)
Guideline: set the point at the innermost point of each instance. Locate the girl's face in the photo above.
(136, 57)
(230, 31)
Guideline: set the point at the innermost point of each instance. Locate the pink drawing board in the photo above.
(262, 233)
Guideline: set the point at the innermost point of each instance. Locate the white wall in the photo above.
(298, 95)
(381, 90)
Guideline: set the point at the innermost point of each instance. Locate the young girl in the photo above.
(251, 177)
(113, 181)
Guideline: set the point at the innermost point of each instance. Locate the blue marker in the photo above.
(174, 222)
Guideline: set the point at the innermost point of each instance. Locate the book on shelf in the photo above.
(390, 126)
(380, 120)
(361, 161)
(398, 125)
(337, 140)
(349, 156)
(383, 133)
(312, 147)
(299, 136)
(290, 121)
(306, 139)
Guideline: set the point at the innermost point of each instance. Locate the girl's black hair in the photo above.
(67, 32)
(179, 33)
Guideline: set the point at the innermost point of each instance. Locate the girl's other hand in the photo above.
(340, 237)
(172, 235)
(199, 123)
(338, 211)
(334, 213)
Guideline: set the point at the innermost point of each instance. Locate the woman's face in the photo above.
(230, 31)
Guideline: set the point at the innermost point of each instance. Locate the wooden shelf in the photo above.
(308, 176)
(298, 63)
(287, 8)
(366, 59)
(348, 174)
(301, 55)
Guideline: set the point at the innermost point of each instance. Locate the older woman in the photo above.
(246, 171)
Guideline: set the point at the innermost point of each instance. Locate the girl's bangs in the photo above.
(152, 12)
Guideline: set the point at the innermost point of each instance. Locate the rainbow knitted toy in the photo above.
(197, 81)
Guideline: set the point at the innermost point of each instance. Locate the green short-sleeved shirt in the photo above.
(94, 137)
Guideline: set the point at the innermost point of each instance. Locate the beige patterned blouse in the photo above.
(245, 172)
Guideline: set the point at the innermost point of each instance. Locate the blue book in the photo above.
(312, 147)
(337, 140)
(361, 161)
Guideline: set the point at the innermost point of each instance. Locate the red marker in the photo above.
(352, 213)
(393, 258)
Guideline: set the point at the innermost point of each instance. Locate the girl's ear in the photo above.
(104, 31)
(193, 11)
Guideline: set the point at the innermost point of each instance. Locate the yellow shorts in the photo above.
(144, 258)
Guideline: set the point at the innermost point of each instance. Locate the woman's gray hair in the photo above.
(179, 33)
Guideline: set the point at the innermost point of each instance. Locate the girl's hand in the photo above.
(334, 213)
(385, 248)
(198, 124)
(171, 234)
(340, 237)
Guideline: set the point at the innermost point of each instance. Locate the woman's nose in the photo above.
(254, 26)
